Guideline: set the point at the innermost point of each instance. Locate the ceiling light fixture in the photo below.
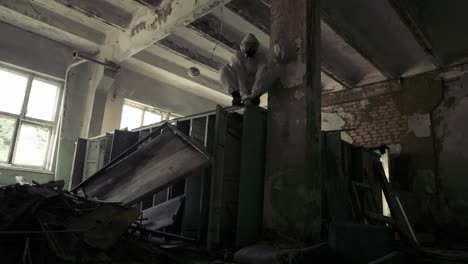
(193, 72)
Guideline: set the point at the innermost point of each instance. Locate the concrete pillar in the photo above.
(97, 116)
(99, 105)
(292, 204)
(76, 116)
(113, 110)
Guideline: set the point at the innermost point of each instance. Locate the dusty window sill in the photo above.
(24, 169)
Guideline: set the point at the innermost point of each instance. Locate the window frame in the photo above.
(165, 115)
(22, 118)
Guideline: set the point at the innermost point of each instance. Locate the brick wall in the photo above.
(377, 124)
(371, 115)
(383, 113)
(424, 121)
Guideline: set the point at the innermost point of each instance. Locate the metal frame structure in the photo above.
(22, 118)
(95, 153)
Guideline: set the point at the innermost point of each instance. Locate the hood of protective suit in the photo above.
(249, 39)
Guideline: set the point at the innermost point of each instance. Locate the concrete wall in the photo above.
(451, 130)
(32, 52)
(84, 114)
(7, 176)
(149, 91)
(423, 120)
(76, 117)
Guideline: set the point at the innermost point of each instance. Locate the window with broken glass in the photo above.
(136, 114)
(28, 118)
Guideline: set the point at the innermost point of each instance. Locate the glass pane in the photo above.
(151, 118)
(172, 117)
(12, 90)
(7, 129)
(42, 100)
(131, 117)
(32, 145)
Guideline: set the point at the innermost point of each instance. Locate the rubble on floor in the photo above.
(41, 223)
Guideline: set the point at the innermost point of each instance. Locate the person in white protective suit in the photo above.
(244, 78)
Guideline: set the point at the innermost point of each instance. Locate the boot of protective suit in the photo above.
(253, 101)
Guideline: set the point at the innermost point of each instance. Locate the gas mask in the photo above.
(250, 51)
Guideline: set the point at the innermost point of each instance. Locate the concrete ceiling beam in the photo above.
(151, 25)
(212, 26)
(235, 27)
(151, 71)
(200, 44)
(351, 42)
(329, 85)
(254, 11)
(176, 63)
(402, 9)
(78, 15)
(44, 22)
(100, 10)
(212, 62)
(331, 74)
(341, 60)
(376, 31)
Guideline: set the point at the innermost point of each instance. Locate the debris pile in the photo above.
(41, 223)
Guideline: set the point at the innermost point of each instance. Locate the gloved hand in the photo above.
(236, 99)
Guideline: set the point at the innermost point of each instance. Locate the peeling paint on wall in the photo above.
(139, 27)
(429, 154)
(299, 95)
(419, 124)
(293, 73)
(451, 128)
(332, 121)
(161, 16)
(346, 137)
(395, 149)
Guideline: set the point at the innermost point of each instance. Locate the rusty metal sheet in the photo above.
(162, 215)
(156, 164)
